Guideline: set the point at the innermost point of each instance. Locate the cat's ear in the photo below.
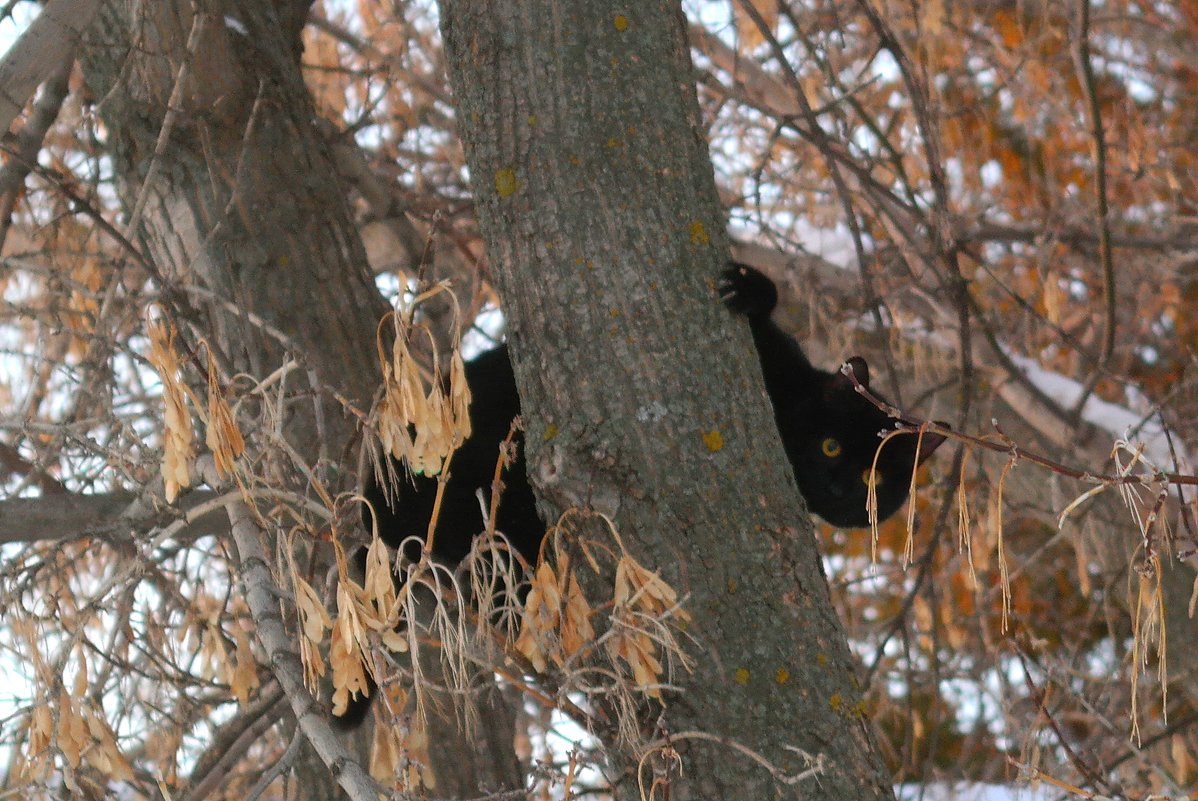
(860, 370)
(931, 441)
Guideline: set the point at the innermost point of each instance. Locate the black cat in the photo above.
(829, 430)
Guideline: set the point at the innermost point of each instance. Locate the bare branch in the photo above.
(50, 40)
(121, 515)
(262, 594)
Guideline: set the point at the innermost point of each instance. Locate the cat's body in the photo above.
(830, 433)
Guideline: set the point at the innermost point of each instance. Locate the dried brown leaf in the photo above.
(178, 446)
(222, 437)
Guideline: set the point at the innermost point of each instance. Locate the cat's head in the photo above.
(838, 463)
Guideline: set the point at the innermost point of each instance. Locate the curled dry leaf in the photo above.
(179, 437)
(314, 621)
(347, 654)
(223, 438)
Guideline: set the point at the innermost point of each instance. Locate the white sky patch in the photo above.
(14, 25)
(968, 792)
(234, 24)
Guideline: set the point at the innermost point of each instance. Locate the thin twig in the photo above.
(1091, 774)
(914, 425)
(1085, 71)
(822, 143)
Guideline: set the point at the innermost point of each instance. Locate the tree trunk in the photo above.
(594, 192)
(237, 201)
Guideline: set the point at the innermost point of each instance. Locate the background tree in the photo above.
(992, 203)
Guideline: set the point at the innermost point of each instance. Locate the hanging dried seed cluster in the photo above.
(178, 436)
(639, 637)
(223, 438)
(417, 423)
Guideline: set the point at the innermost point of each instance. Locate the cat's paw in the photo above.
(747, 291)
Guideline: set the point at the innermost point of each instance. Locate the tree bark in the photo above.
(595, 196)
(233, 195)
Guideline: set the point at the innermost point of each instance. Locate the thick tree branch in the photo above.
(50, 40)
(121, 515)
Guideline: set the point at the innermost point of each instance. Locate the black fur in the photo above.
(811, 407)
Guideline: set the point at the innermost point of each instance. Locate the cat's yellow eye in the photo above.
(830, 447)
(867, 474)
